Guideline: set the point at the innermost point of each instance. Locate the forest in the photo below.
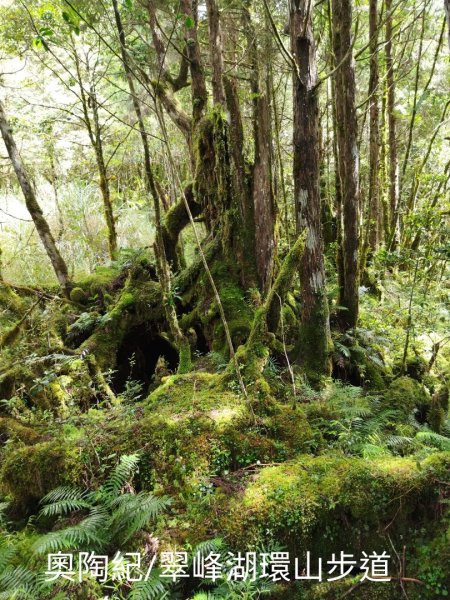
(224, 299)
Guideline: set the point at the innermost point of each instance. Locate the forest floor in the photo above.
(358, 464)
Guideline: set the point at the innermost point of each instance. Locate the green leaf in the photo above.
(46, 31)
(189, 22)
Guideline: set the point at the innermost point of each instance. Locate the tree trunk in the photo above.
(348, 158)
(215, 45)
(374, 152)
(104, 184)
(199, 91)
(447, 14)
(392, 133)
(314, 342)
(263, 200)
(59, 266)
(163, 268)
(89, 99)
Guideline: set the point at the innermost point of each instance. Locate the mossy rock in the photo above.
(290, 426)
(78, 295)
(15, 377)
(102, 278)
(368, 591)
(12, 429)
(10, 300)
(406, 394)
(319, 503)
(416, 367)
(195, 394)
(30, 472)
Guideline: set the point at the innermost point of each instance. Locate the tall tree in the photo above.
(392, 131)
(447, 14)
(348, 158)
(263, 200)
(42, 227)
(314, 340)
(163, 269)
(374, 151)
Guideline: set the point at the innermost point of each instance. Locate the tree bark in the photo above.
(392, 133)
(263, 200)
(348, 158)
(59, 266)
(89, 99)
(215, 45)
(104, 184)
(374, 152)
(199, 91)
(314, 341)
(447, 14)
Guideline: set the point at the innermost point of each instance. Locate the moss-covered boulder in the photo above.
(12, 429)
(78, 295)
(29, 472)
(322, 503)
(406, 394)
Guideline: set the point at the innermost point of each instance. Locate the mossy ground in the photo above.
(329, 469)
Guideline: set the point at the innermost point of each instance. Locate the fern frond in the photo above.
(208, 546)
(434, 439)
(63, 507)
(18, 580)
(88, 533)
(63, 492)
(152, 589)
(121, 474)
(131, 512)
(6, 554)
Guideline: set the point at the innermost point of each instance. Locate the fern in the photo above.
(152, 589)
(434, 439)
(112, 517)
(64, 500)
(18, 583)
(122, 473)
(89, 533)
(208, 546)
(131, 512)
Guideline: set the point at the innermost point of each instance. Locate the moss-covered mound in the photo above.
(318, 503)
(29, 472)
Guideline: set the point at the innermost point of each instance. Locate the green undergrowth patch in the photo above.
(194, 394)
(317, 503)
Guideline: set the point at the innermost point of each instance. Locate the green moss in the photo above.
(78, 295)
(102, 278)
(316, 503)
(30, 472)
(238, 312)
(314, 343)
(139, 302)
(184, 360)
(290, 426)
(10, 300)
(15, 377)
(406, 394)
(11, 428)
(183, 396)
